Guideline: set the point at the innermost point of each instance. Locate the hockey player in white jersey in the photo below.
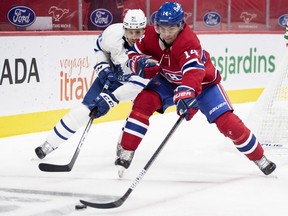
(112, 71)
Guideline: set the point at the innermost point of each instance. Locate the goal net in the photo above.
(268, 118)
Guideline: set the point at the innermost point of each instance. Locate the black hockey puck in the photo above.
(80, 206)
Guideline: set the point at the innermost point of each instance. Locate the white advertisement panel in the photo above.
(245, 60)
(48, 72)
(41, 73)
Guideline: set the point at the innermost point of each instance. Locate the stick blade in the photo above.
(45, 167)
(118, 201)
(109, 205)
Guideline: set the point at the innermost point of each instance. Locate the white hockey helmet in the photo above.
(135, 19)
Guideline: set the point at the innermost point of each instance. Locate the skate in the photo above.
(43, 150)
(265, 165)
(123, 159)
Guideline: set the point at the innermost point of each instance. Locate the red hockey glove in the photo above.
(144, 66)
(184, 98)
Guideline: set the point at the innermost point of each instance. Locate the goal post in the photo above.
(268, 118)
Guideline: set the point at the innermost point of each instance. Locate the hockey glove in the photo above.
(184, 98)
(144, 66)
(102, 104)
(121, 76)
(105, 73)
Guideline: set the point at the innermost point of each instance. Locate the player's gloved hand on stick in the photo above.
(121, 76)
(144, 66)
(102, 104)
(184, 98)
(104, 72)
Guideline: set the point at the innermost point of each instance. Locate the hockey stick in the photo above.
(122, 199)
(68, 167)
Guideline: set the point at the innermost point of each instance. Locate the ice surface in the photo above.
(198, 173)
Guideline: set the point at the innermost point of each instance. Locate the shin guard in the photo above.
(230, 125)
(136, 126)
(68, 125)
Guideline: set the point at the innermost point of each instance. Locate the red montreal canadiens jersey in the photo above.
(183, 63)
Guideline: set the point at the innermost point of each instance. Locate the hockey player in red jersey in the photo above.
(189, 80)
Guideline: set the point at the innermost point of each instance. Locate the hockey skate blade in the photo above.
(121, 171)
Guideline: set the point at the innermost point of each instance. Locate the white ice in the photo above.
(198, 173)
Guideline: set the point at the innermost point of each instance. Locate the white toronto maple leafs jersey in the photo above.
(111, 47)
(114, 47)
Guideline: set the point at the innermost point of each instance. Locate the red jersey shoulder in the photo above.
(148, 43)
(187, 39)
(149, 34)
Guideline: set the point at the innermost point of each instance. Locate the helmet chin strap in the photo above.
(164, 42)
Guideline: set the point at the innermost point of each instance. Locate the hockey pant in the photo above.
(229, 124)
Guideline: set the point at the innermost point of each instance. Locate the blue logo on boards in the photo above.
(21, 16)
(283, 20)
(101, 17)
(212, 19)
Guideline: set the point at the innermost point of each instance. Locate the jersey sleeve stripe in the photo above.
(192, 64)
